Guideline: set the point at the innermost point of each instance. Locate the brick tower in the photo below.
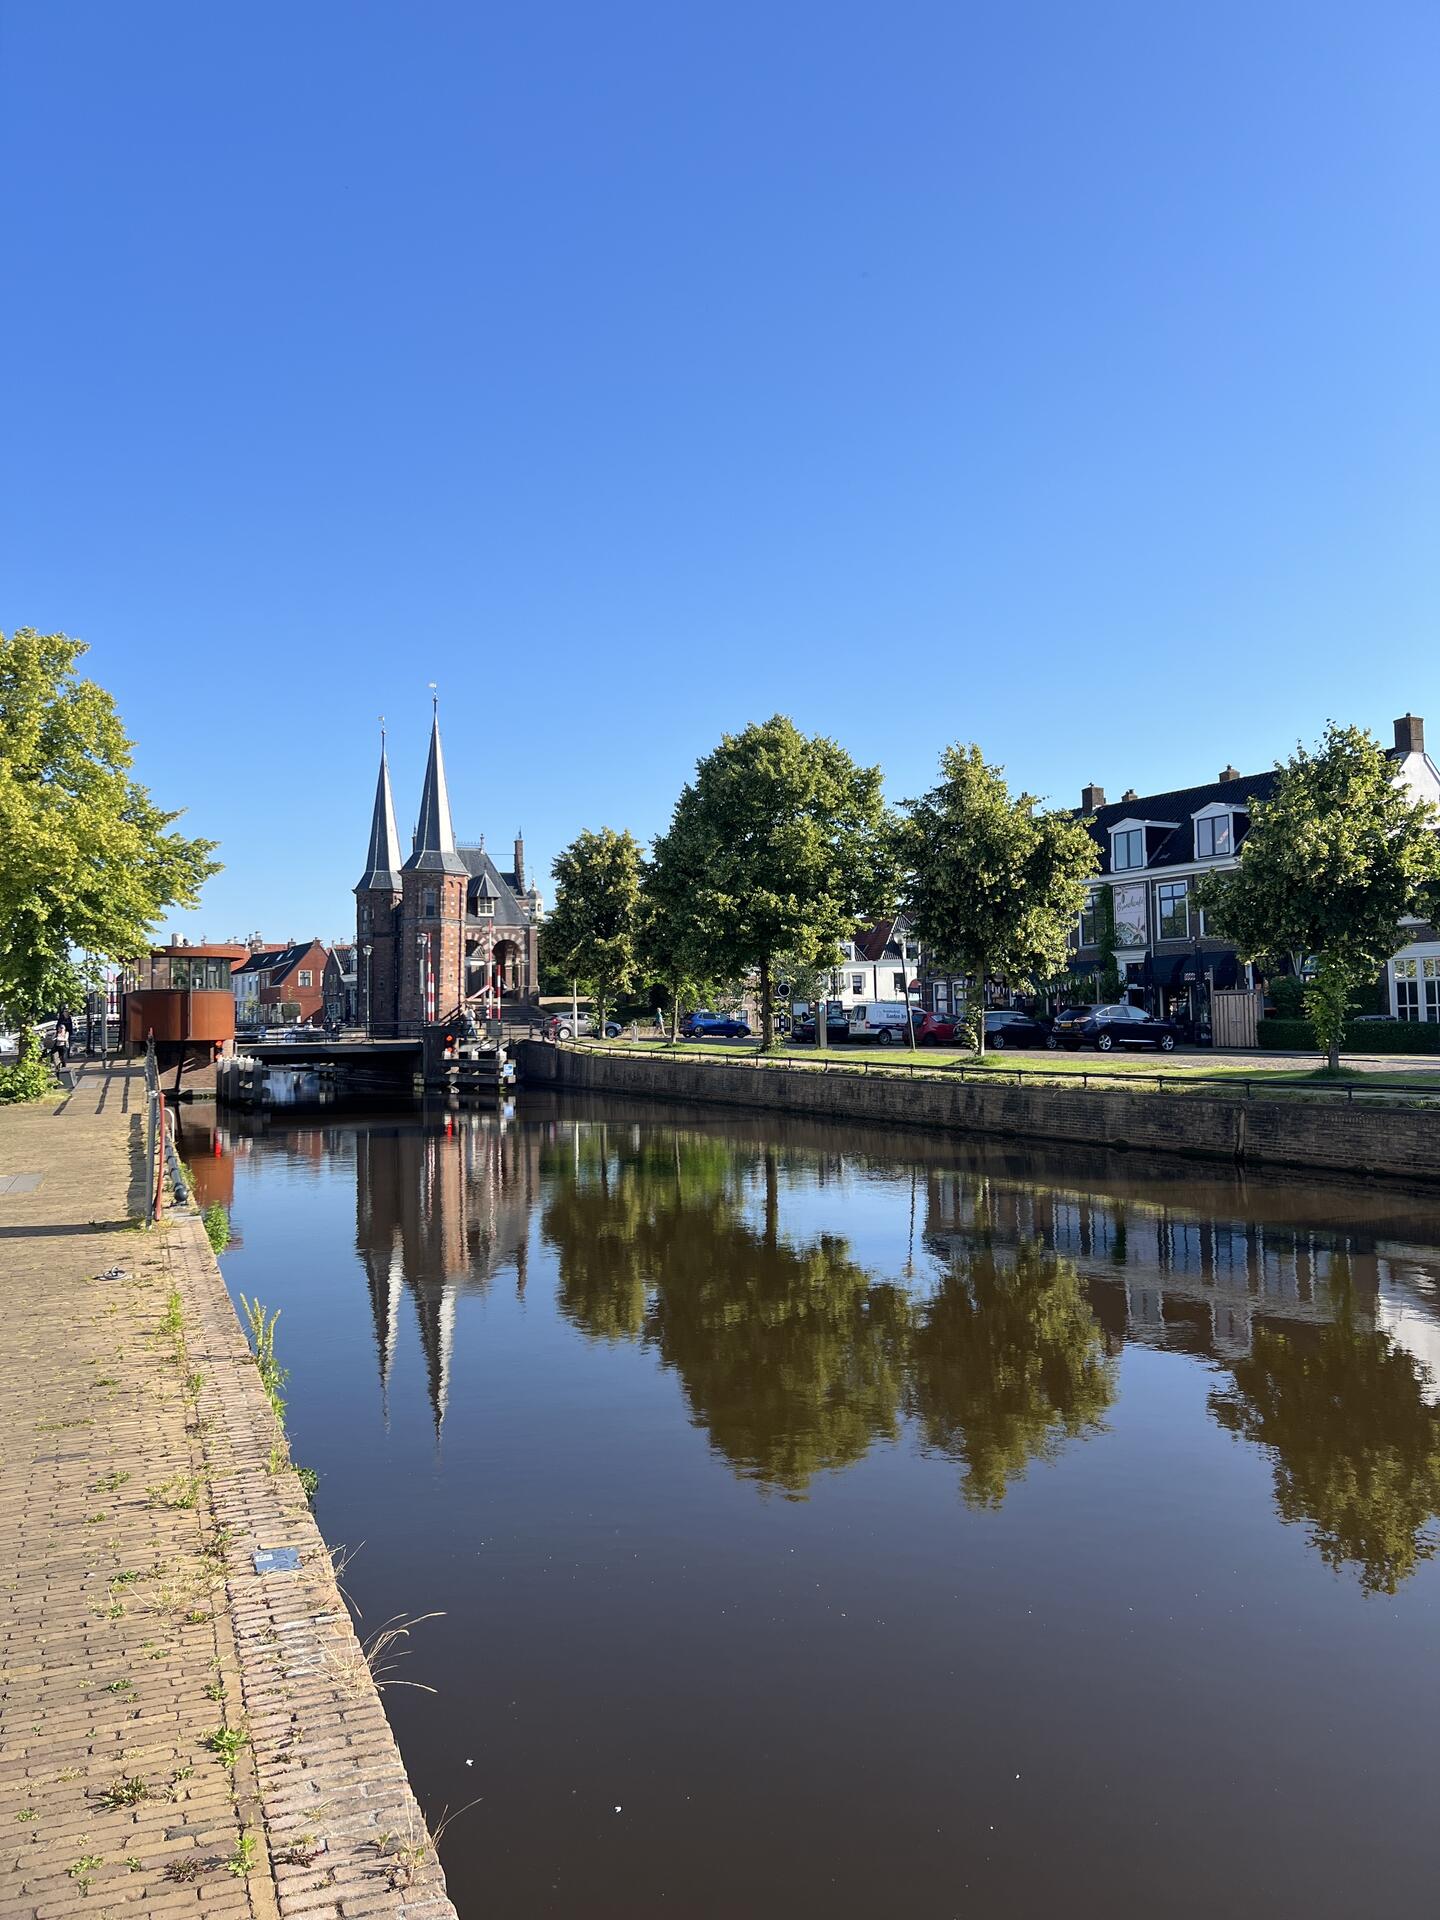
(377, 915)
(432, 913)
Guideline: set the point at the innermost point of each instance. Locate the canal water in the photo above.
(824, 1522)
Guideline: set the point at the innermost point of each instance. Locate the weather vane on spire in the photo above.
(434, 697)
(382, 730)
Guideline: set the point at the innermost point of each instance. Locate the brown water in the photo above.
(828, 1523)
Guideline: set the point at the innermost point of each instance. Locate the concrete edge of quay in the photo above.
(343, 1830)
(1320, 1135)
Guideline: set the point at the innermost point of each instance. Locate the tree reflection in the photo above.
(1007, 1364)
(791, 1355)
(1356, 1447)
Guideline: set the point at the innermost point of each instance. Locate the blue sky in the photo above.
(1058, 377)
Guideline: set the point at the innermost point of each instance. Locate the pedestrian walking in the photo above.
(60, 1042)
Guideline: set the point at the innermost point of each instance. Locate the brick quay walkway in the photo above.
(179, 1733)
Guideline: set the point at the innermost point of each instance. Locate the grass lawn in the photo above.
(1173, 1069)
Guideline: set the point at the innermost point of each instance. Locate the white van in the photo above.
(883, 1022)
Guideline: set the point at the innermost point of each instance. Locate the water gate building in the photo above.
(444, 930)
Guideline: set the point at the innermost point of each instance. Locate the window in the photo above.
(303, 977)
(1214, 837)
(427, 903)
(1090, 922)
(899, 980)
(364, 919)
(857, 983)
(1407, 990)
(1172, 909)
(1430, 969)
(1127, 849)
(484, 907)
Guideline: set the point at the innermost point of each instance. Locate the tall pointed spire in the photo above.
(434, 836)
(382, 863)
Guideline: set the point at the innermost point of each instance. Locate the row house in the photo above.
(271, 976)
(1155, 847)
(339, 986)
(878, 962)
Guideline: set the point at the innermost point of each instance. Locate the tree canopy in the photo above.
(992, 883)
(590, 934)
(780, 842)
(1332, 864)
(88, 862)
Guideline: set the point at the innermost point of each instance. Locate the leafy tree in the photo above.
(673, 947)
(1345, 1415)
(782, 840)
(1008, 1364)
(87, 861)
(1333, 862)
(591, 932)
(991, 883)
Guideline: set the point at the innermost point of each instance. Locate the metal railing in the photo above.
(161, 1156)
(1134, 1080)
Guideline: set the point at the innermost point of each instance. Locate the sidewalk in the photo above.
(178, 1734)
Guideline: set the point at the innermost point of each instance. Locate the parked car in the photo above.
(1008, 1027)
(886, 1022)
(566, 1026)
(837, 1026)
(940, 1029)
(714, 1026)
(1108, 1027)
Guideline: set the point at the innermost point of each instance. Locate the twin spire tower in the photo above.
(444, 929)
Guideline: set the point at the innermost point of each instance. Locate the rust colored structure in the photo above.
(181, 996)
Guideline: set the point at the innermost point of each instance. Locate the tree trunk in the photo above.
(767, 1005)
(1334, 1060)
(675, 1015)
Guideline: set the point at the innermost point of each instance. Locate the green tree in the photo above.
(673, 947)
(1008, 1365)
(783, 841)
(88, 862)
(1345, 1416)
(590, 933)
(1333, 862)
(992, 884)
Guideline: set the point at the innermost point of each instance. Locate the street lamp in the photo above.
(369, 1011)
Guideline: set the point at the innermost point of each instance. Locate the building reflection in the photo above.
(440, 1212)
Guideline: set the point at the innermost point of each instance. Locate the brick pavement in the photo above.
(140, 1467)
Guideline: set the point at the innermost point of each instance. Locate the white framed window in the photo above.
(484, 908)
(303, 978)
(1430, 985)
(857, 983)
(1127, 849)
(1172, 910)
(1407, 990)
(1214, 836)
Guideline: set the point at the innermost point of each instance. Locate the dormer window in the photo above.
(484, 906)
(1214, 836)
(1127, 849)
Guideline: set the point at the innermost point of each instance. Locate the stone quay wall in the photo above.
(1323, 1133)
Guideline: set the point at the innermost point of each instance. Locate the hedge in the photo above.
(1365, 1036)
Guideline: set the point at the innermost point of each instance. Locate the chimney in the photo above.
(1229, 773)
(1092, 798)
(519, 861)
(1410, 734)
(1129, 794)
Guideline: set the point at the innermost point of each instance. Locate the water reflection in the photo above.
(982, 1318)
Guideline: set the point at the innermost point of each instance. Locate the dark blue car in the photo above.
(714, 1026)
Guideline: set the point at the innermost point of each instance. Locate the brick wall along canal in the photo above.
(824, 1523)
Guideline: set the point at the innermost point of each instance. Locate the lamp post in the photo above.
(369, 1011)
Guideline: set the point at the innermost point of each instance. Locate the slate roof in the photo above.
(285, 959)
(1177, 848)
(434, 849)
(382, 860)
(485, 876)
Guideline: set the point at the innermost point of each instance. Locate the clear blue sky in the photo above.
(1061, 377)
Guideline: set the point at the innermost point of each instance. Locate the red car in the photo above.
(938, 1030)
